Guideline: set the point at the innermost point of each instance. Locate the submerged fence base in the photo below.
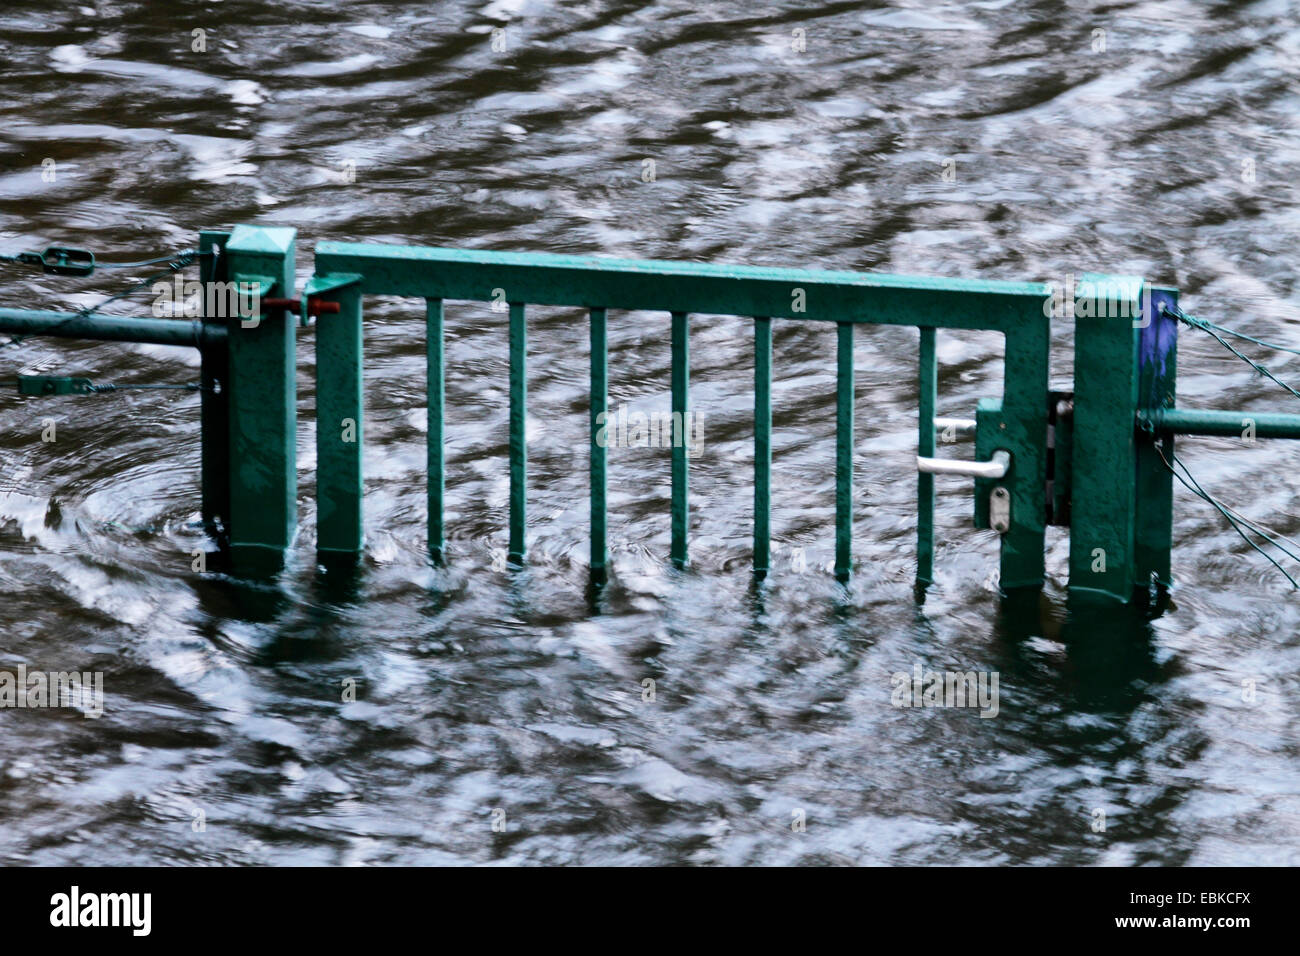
(1094, 458)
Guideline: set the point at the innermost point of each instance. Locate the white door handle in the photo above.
(996, 467)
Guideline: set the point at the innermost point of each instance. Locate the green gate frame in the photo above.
(1092, 459)
(682, 289)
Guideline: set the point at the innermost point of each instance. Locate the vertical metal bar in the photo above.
(681, 375)
(928, 387)
(436, 389)
(215, 396)
(1103, 505)
(599, 441)
(263, 408)
(1158, 371)
(339, 432)
(1022, 430)
(844, 452)
(762, 446)
(518, 438)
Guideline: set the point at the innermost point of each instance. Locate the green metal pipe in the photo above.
(762, 446)
(111, 328)
(1190, 421)
(681, 380)
(844, 453)
(599, 411)
(518, 436)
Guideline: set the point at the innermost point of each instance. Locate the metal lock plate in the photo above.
(1000, 509)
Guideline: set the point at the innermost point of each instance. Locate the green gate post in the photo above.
(1157, 387)
(1022, 430)
(262, 403)
(339, 445)
(214, 377)
(1104, 497)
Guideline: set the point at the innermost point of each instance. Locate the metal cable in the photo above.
(174, 264)
(1205, 325)
(114, 387)
(1192, 485)
(1210, 329)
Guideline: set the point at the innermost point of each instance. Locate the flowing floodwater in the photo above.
(1164, 145)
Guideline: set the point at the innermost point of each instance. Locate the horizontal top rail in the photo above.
(593, 282)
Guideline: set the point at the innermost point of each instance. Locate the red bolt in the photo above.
(314, 306)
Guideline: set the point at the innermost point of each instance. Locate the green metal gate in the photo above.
(346, 271)
(1094, 458)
